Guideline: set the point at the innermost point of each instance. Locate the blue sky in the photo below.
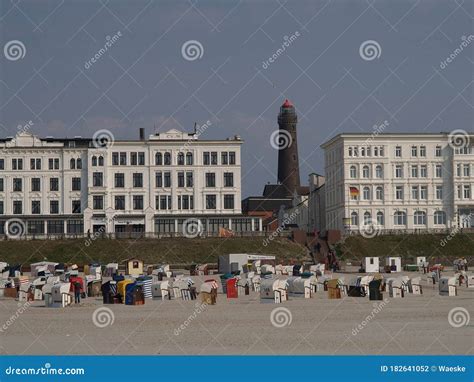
(143, 79)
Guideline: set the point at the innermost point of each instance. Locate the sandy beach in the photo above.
(411, 325)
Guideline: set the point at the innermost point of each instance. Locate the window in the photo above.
(400, 218)
(467, 191)
(159, 179)
(232, 157)
(438, 151)
(79, 163)
(101, 161)
(158, 159)
(17, 207)
(75, 227)
(380, 218)
(35, 207)
(137, 159)
(423, 192)
(466, 170)
(214, 158)
(35, 184)
(211, 202)
(439, 192)
(119, 202)
(17, 184)
(2, 210)
(167, 159)
(350, 151)
(210, 179)
(180, 179)
(76, 206)
(189, 159)
(228, 179)
(228, 202)
(224, 158)
(17, 164)
(138, 202)
(167, 179)
(422, 151)
(163, 202)
(115, 159)
(206, 158)
(414, 192)
(398, 151)
(189, 179)
(97, 179)
(414, 151)
(98, 202)
(367, 218)
(399, 192)
(72, 164)
(440, 217)
(2, 164)
(423, 171)
(353, 172)
(53, 163)
(123, 159)
(137, 180)
(366, 193)
(54, 207)
(93, 161)
(399, 171)
(365, 172)
(379, 193)
(119, 180)
(354, 218)
(185, 202)
(379, 172)
(180, 159)
(438, 171)
(2, 188)
(76, 184)
(35, 164)
(362, 152)
(414, 171)
(419, 218)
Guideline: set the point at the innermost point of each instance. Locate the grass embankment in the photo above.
(152, 251)
(436, 247)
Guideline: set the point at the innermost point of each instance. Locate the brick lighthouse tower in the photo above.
(288, 164)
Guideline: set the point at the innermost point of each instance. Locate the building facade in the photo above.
(399, 182)
(157, 185)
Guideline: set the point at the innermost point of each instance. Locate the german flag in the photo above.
(354, 191)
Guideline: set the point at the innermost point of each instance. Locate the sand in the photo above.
(412, 325)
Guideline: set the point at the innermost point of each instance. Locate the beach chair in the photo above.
(414, 286)
(405, 281)
(448, 287)
(256, 280)
(334, 291)
(395, 288)
(375, 292)
(470, 281)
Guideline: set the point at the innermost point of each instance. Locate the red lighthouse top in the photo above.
(287, 103)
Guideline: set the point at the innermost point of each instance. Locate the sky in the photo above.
(347, 66)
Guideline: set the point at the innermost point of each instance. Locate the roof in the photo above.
(261, 203)
(287, 103)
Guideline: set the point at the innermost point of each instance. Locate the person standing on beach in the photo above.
(77, 292)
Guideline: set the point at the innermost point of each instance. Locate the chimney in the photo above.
(142, 133)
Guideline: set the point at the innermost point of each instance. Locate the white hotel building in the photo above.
(70, 186)
(400, 182)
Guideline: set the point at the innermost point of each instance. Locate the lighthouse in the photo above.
(288, 163)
